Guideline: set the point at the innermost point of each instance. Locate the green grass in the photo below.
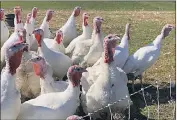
(147, 19)
(95, 5)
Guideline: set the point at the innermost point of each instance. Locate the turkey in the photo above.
(84, 48)
(30, 26)
(86, 34)
(18, 18)
(29, 37)
(47, 83)
(96, 49)
(10, 97)
(57, 60)
(33, 16)
(56, 44)
(32, 19)
(146, 56)
(4, 28)
(111, 85)
(12, 39)
(18, 26)
(69, 29)
(27, 82)
(56, 105)
(121, 51)
(45, 24)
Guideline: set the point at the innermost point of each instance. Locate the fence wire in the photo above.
(141, 91)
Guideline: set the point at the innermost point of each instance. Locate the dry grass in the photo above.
(143, 31)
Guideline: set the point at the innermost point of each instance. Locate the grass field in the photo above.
(147, 19)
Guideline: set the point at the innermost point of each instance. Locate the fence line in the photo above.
(157, 100)
(171, 99)
(109, 105)
(144, 98)
(145, 102)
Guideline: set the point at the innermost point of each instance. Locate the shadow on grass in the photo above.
(151, 98)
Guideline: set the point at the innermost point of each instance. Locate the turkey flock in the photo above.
(50, 78)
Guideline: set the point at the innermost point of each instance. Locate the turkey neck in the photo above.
(73, 90)
(46, 83)
(8, 69)
(97, 37)
(32, 21)
(55, 44)
(45, 21)
(124, 41)
(157, 42)
(17, 19)
(8, 78)
(29, 31)
(43, 49)
(108, 74)
(86, 30)
(71, 20)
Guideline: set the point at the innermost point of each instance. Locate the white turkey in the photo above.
(27, 82)
(69, 28)
(4, 28)
(146, 56)
(85, 48)
(45, 24)
(47, 83)
(56, 44)
(12, 39)
(33, 16)
(30, 26)
(57, 60)
(10, 96)
(111, 85)
(121, 52)
(32, 19)
(18, 18)
(57, 105)
(86, 34)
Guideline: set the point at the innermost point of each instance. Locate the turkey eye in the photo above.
(15, 46)
(78, 69)
(109, 37)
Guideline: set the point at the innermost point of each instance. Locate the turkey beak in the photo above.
(117, 37)
(61, 36)
(87, 15)
(84, 70)
(101, 19)
(32, 60)
(25, 47)
(34, 31)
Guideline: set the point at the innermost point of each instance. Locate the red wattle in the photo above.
(20, 39)
(85, 22)
(106, 60)
(36, 69)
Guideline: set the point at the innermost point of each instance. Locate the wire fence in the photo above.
(141, 91)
